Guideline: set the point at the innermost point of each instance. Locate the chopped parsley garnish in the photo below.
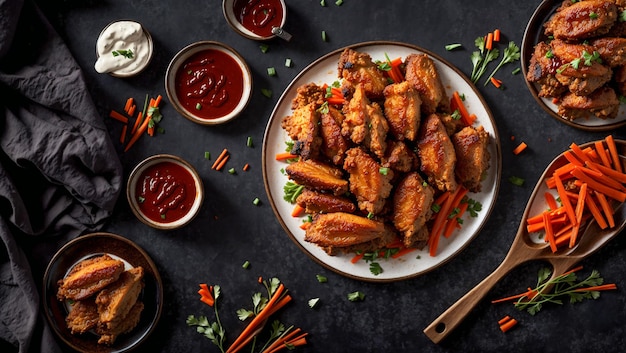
(127, 53)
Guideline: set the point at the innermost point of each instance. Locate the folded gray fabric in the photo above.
(59, 173)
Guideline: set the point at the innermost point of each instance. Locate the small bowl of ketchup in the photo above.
(165, 192)
(208, 83)
(257, 19)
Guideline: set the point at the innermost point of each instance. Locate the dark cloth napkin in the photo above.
(59, 173)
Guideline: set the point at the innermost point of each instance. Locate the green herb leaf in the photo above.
(452, 46)
(292, 191)
(271, 71)
(266, 92)
(321, 278)
(356, 296)
(375, 268)
(127, 53)
(511, 54)
(517, 181)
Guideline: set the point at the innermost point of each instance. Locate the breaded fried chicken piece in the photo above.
(402, 110)
(303, 128)
(603, 103)
(318, 202)
(316, 175)
(83, 316)
(88, 277)
(116, 301)
(307, 94)
(367, 183)
(345, 232)
(334, 144)
(108, 335)
(422, 74)
(581, 79)
(542, 69)
(612, 50)
(472, 156)
(582, 20)
(400, 157)
(436, 153)
(412, 201)
(359, 69)
(365, 123)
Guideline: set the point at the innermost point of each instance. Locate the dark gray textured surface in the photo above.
(230, 230)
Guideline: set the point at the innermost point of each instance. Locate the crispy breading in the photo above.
(400, 157)
(436, 153)
(612, 50)
(316, 175)
(575, 21)
(472, 156)
(309, 93)
(340, 231)
(422, 74)
(541, 70)
(88, 277)
(108, 334)
(367, 183)
(402, 110)
(303, 128)
(334, 144)
(359, 69)
(83, 316)
(412, 201)
(452, 124)
(365, 123)
(319, 202)
(581, 79)
(603, 103)
(116, 301)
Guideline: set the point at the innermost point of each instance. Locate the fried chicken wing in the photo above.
(309, 93)
(317, 176)
(342, 232)
(400, 157)
(83, 316)
(582, 78)
(582, 20)
(334, 144)
(318, 202)
(602, 103)
(303, 128)
(108, 335)
(367, 183)
(612, 50)
(422, 74)
(365, 123)
(541, 70)
(88, 277)
(436, 153)
(359, 69)
(412, 201)
(402, 110)
(472, 156)
(116, 301)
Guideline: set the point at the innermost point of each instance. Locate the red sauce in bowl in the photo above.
(165, 192)
(209, 84)
(259, 16)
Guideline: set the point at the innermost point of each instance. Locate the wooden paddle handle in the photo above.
(452, 317)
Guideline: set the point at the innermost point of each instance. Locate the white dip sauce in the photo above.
(123, 36)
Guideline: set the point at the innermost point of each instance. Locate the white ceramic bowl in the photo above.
(198, 112)
(182, 172)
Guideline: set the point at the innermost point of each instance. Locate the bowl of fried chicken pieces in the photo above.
(574, 61)
(102, 293)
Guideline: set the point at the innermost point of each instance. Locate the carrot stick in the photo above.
(402, 252)
(157, 101)
(297, 211)
(453, 223)
(489, 41)
(137, 122)
(497, 83)
(119, 117)
(305, 225)
(219, 158)
(256, 321)
(222, 162)
(123, 134)
(564, 199)
(357, 257)
(579, 153)
(508, 325)
(246, 167)
(550, 201)
(504, 319)
(580, 206)
(606, 208)
(285, 155)
(572, 158)
(549, 231)
(520, 148)
(131, 110)
(129, 102)
(608, 286)
(612, 173)
(137, 134)
(617, 164)
(496, 35)
(457, 103)
(604, 157)
(336, 100)
(601, 178)
(600, 187)
(282, 340)
(595, 211)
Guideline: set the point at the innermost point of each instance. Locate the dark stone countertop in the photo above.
(231, 230)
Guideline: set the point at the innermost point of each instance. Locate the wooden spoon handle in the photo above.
(452, 317)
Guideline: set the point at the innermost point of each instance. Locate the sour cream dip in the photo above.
(123, 48)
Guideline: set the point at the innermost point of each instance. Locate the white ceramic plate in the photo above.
(324, 70)
(534, 34)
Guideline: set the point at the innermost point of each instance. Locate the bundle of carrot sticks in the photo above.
(587, 186)
(144, 120)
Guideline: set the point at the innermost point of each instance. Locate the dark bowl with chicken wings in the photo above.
(574, 62)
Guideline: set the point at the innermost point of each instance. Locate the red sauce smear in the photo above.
(209, 84)
(259, 16)
(165, 192)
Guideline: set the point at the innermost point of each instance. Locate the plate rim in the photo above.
(543, 11)
(496, 141)
(74, 242)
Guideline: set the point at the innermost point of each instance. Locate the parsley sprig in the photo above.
(510, 54)
(127, 53)
(481, 58)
